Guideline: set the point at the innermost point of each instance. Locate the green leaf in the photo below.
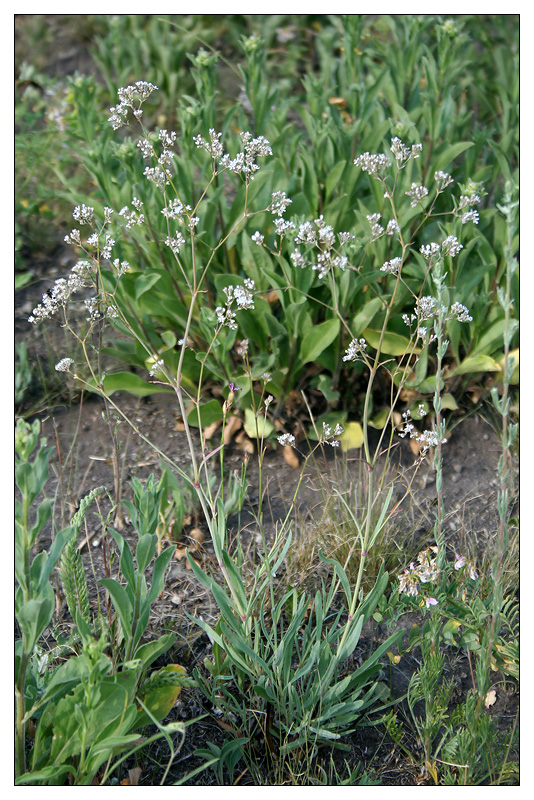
(317, 340)
(352, 436)
(33, 617)
(365, 316)
(393, 344)
(480, 363)
(159, 700)
(448, 155)
(257, 427)
(128, 382)
(150, 651)
(121, 602)
(324, 384)
(144, 283)
(209, 413)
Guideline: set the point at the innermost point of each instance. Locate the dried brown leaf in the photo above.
(244, 443)
(291, 457)
(197, 535)
(209, 430)
(233, 424)
(491, 697)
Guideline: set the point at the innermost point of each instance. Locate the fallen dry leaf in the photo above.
(414, 446)
(340, 102)
(133, 777)
(233, 424)
(291, 457)
(209, 430)
(490, 698)
(197, 535)
(271, 297)
(244, 443)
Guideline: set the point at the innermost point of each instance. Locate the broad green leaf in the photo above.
(448, 403)
(209, 413)
(380, 418)
(352, 437)
(121, 602)
(448, 155)
(128, 382)
(393, 344)
(365, 316)
(324, 384)
(34, 616)
(257, 427)
(495, 334)
(513, 354)
(317, 340)
(480, 363)
(160, 700)
(169, 338)
(144, 283)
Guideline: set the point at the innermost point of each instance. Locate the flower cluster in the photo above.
(377, 164)
(175, 242)
(403, 153)
(279, 203)
(322, 237)
(243, 298)
(80, 276)
(64, 365)
(157, 367)
(245, 161)
(377, 230)
(443, 179)
(133, 216)
(373, 164)
(130, 97)
(328, 436)
(286, 439)
(426, 439)
(450, 246)
(464, 209)
(392, 267)
(355, 350)
(425, 571)
(461, 562)
(417, 193)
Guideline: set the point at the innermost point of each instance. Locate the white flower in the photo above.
(285, 439)
(157, 367)
(175, 242)
(258, 238)
(83, 214)
(443, 179)
(470, 216)
(279, 203)
(451, 246)
(64, 365)
(355, 350)
(417, 193)
(392, 267)
(373, 164)
(461, 313)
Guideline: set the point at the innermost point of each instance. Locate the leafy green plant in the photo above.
(34, 596)
(86, 711)
(220, 295)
